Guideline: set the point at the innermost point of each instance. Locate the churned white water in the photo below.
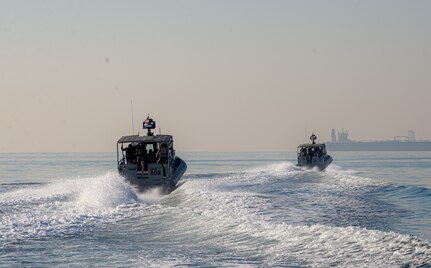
(230, 210)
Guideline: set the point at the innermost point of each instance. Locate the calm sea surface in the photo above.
(368, 209)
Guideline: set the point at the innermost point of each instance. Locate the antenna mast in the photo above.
(133, 125)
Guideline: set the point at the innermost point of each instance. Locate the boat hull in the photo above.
(166, 184)
(321, 165)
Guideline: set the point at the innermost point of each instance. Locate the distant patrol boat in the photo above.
(313, 155)
(149, 161)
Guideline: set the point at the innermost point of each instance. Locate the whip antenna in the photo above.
(133, 125)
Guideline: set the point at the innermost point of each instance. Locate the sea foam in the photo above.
(64, 207)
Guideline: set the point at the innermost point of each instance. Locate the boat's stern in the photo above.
(137, 175)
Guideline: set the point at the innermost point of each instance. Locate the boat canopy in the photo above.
(312, 145)
(137, 138)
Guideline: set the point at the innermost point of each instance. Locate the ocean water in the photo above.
(368, 209)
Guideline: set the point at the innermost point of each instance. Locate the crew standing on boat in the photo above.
(129, 153)
(162, 154)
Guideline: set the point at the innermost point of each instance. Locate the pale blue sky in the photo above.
(212, 73)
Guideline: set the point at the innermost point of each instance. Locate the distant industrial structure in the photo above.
(340, 142)
(342, 136)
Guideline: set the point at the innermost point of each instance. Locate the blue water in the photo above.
(368, 209)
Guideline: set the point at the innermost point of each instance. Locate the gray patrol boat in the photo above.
(313, 154)
(149, 161)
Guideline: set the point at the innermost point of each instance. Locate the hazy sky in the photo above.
(218, 75)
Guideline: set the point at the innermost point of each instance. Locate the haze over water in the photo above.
(218, 75)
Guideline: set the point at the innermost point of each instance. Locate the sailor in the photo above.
(310, 155)
(319, 152)
(129, 153)
(151, 156)
(302, 152)
(162, 153)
